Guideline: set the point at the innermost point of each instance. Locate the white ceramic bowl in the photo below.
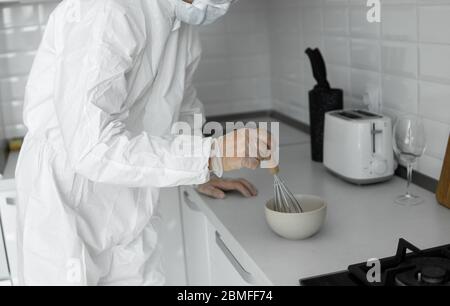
(296, 226)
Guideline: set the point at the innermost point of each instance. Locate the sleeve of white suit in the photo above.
(94, 74)
(192, 110)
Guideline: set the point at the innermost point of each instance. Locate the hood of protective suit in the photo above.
(201, 12)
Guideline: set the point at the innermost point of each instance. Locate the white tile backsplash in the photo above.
(12, 88)
(362, 81)
(311, 19)
(365, 54)
(12, 112)
(435, 62)
(435, 101)
(335, 20)
(254, 59)
(337, 50)
(45, 9)
(399, 58)
(215, 45)
(435, 132)
(400, 94)
(406, 57)
(430, 166)
(20, 39)
(393, 29)
(19, 15)
(234, 75)
(21, 27)
(15, 64)
(250, 67)
(339, 76)
(359, 27)
(434, 24)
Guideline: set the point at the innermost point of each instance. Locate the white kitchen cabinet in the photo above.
(196, 242)
(4, 266)
(209, 259)
(194, 252)
(8, 212)
(226, 269)
(171, 237)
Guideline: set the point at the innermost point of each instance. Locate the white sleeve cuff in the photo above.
(216, 162)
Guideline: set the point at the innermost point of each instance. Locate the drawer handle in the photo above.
(246, 276)
(189, 202)
(11, 201)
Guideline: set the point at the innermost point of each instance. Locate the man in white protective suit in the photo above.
(110, 79)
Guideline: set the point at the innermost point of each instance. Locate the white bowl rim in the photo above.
(324, 206)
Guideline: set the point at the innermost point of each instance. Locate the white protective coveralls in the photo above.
(88, 176)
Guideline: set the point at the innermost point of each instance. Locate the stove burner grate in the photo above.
(418, 268)
(427, 271)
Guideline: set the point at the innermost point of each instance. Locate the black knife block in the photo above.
(321, 101)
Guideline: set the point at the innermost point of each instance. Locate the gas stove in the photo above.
(409, 267)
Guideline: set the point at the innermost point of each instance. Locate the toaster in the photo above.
(358, 146)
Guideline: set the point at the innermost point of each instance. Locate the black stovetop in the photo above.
(409, 267)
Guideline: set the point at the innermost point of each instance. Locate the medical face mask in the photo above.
(201, 12)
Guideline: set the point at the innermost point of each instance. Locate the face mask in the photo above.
(201, 12)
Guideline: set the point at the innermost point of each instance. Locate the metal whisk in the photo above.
(284, 200)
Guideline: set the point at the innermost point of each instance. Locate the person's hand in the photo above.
(217, 187)
(243, 148)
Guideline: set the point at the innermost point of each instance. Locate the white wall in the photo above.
(254, 59)
(407, 56)
(21, 28)
(233, 77)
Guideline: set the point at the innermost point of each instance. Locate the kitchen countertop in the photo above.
(362, 221)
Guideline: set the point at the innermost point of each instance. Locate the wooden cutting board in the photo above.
(443, 190)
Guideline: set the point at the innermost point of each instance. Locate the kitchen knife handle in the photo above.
(318, 68)
(314, 66)
(322, 70)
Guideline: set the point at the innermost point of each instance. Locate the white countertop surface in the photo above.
(362, 222)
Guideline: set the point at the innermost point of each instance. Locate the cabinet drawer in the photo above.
(226, 269)
(210, 258)
(4, 266)
(195, 235)
(171, 237)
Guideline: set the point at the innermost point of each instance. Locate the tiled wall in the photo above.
(254, 59)
(234, 75)
(21, 28)
(406, 56)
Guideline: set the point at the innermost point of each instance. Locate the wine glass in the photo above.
(409, 145)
